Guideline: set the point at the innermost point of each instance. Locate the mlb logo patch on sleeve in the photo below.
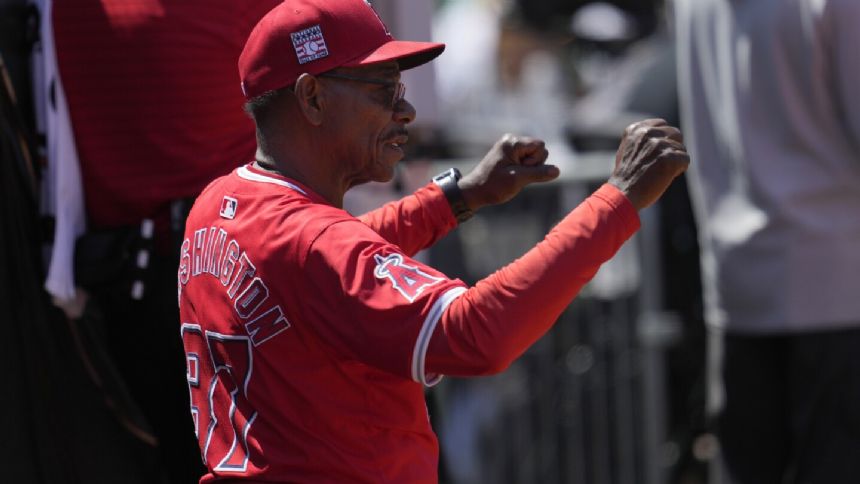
(228, 207)
(309, 44)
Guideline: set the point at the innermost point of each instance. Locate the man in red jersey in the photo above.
(310, 334)
(156, 114)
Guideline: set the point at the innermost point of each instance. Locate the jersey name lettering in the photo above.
(408, 280)
(211, 253)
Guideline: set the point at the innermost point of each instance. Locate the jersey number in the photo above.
(219, 369)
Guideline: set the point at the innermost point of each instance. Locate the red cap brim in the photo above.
(408, 54)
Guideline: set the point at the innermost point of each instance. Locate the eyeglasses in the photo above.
(399, 87)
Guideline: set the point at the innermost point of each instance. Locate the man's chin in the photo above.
(383, 175)
(383, 169)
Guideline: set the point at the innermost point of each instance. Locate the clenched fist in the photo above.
(650, 156)
(511, 164)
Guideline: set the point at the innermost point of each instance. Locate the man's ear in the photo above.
(310, 97)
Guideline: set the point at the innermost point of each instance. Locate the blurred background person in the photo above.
(771, 116)
(156, 113)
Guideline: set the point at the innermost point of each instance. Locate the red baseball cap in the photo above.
(315, 36)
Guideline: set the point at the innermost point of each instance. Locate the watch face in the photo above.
(449, 173)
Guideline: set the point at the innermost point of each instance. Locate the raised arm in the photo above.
(417, 221)
(493, 323)
(430, 325)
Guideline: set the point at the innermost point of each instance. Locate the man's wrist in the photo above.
(447, 181)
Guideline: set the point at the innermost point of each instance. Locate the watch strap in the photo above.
(447, 181)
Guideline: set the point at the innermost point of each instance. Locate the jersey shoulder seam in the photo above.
(319, 233)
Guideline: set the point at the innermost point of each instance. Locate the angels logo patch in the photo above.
(410, 281)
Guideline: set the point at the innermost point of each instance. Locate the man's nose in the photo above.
(404, 112)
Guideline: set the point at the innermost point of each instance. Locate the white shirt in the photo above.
(62, 189)
(771, 116)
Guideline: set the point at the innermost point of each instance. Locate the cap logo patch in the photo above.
(309, 44)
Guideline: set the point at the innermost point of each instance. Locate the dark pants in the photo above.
(791, 409)
(135, 347)
(144, 342)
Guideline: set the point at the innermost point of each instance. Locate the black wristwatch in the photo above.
(447, 181)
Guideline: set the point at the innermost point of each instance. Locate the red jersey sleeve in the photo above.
(497, 320)
(414, 222)
(372, 303)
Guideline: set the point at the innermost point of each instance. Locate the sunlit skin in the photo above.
(350, 130)
(372, 128)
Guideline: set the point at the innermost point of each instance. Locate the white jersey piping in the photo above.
(423, 341)
(247, 174)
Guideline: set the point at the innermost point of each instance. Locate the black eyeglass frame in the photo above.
(399, 87)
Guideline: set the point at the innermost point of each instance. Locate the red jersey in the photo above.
(154, 98)
(309, 332)
(306, 331)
